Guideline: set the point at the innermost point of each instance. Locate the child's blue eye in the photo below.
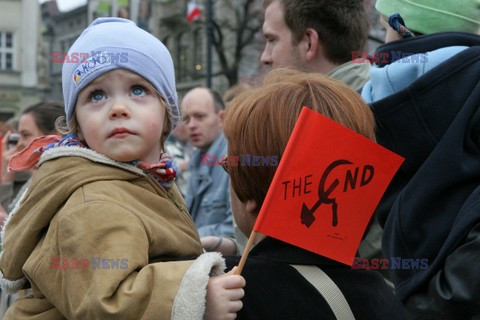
(138, 91)
(97, 95)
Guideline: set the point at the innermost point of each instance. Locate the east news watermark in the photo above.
(92, 263)
(243, 160)
(389, 57)
(93, 58)
(393, 263)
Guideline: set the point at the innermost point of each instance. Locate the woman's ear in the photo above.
(222, 114)
(252, 207)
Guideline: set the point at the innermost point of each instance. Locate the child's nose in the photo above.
(119, 109)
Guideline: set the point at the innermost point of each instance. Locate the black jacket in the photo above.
(432, 208)
(412, 121)
(276, 291)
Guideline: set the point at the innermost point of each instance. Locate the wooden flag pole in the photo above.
(244, 257)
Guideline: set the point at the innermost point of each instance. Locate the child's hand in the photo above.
(223, 296)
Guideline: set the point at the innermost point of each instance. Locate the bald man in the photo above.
(207, 195)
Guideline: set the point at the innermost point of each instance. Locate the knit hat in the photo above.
(430, 16)
(115, 43)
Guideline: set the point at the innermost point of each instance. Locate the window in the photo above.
(7, 51)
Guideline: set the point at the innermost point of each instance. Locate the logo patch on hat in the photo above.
(97, 61)
(77, 77)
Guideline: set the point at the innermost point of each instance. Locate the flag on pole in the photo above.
(326, 188)
(193, 12)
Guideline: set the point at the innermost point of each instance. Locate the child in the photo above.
(103, 233)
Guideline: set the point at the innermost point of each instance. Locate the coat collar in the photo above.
(86, 153)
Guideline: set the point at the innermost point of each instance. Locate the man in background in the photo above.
(317, 36)
(207, 196)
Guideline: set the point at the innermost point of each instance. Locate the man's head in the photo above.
(202, 112)
(313, 35)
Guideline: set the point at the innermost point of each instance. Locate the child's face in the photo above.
(120, 115)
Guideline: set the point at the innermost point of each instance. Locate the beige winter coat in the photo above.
(98, 239)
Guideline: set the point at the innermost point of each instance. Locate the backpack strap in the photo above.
(328, 289)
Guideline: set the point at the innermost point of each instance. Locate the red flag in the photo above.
(326, 188)
(193, 12)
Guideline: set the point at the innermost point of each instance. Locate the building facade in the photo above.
(188, 41)
(23, 69)
(165, 19)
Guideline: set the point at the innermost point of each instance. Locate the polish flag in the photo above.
(193, 12)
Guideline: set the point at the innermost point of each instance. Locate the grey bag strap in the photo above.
(328, 289)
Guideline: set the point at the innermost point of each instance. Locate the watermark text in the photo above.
(242, 160)
(388, 57)
(93, 263)
(82, 57)
(392, 263)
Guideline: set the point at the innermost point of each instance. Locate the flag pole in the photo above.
(246, 251)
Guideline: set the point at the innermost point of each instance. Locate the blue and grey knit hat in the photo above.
(115, 43)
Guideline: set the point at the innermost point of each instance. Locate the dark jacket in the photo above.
(275, 290)
(411, 123)
(432, 210)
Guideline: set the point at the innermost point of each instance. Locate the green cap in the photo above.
(430, 16)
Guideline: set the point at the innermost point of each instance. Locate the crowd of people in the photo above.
(118, 203)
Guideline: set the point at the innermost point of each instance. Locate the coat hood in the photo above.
(397, 76)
